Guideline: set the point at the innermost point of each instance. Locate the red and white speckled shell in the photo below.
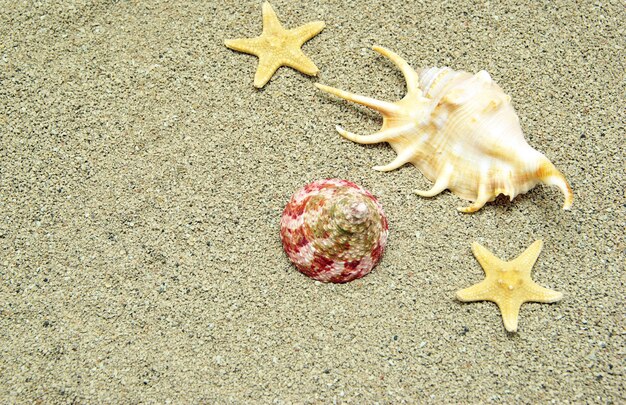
(334, 231)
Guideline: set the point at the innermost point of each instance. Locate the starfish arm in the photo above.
(302, 63)
(482, 291)
(527, 259)
(307, 31)
(537, 293)
(510, 313)
(271, 24)
(487, 260)
(266, 69)
(245, 45)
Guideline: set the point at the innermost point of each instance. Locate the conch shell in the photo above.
(461, 131)
(334, 231)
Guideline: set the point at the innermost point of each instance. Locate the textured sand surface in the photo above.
(142, 178)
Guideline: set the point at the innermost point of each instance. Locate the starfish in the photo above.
(278, 47)
(508, 284)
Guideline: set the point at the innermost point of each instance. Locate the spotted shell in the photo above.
(334, 231)
(461, 131)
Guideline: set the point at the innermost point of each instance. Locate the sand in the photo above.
(142, 179)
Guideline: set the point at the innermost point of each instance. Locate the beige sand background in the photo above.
(142, 179)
